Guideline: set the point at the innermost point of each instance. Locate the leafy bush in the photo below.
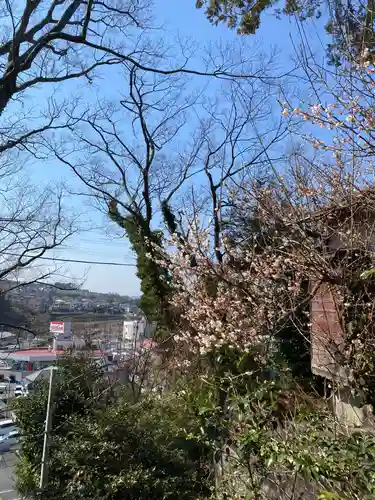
(104, 449)
(277, 442)
(133, 451)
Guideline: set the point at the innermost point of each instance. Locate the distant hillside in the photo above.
(62, 289)
(10, 316)
(65, 298)
(68, 289)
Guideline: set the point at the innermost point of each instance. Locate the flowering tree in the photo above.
(308, 230)
(141, 174)
(345, 130)
(315, 227)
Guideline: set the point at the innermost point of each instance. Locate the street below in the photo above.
(7, 462)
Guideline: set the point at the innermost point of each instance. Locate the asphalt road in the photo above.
(7, 492)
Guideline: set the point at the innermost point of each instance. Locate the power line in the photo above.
(108, 243)
(95, 252)
(97, 249)
(76, 261)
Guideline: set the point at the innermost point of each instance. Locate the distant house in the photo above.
(7, 338)
(328, 329)
(29, 360)
(133, 330)
(357, 217)
(326, 333)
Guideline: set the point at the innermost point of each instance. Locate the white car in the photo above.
(9, 440)
(20, 390)
(6, 426)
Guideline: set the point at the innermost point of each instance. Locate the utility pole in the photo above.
(47, 431)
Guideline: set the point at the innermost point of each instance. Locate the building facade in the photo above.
(134, 330)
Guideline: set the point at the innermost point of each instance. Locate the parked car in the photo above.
(9, 440)
(6, 426)
(13, 347)
(20, 390)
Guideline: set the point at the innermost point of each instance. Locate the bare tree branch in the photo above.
(57, 42)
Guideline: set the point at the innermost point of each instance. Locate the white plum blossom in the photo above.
(316, 110)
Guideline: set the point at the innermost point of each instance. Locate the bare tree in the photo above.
(41, 43)
(129, 163)
(240, 142)
(55, 41)
(146, 151)
(158, 140)
(66, 40)
(31, 226)
(46, 42)
(52, 42)
(29, 229)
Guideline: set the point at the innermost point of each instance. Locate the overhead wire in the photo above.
(76, 261)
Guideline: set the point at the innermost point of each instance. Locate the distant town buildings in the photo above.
(7, 338)
(23, 361)
(134, 330)
(65, 298)
(66, 320)
(20, 361)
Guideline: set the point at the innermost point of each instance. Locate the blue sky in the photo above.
(107, 244)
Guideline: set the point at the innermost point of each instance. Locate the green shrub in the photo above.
(110, 449)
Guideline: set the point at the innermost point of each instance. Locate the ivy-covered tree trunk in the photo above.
(154, 277)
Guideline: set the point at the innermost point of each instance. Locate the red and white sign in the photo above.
(56, 327)
(60, 327)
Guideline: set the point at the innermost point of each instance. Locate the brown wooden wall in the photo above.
(326, 333)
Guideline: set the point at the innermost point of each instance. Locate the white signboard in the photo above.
(56, 327)
(61, 328)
